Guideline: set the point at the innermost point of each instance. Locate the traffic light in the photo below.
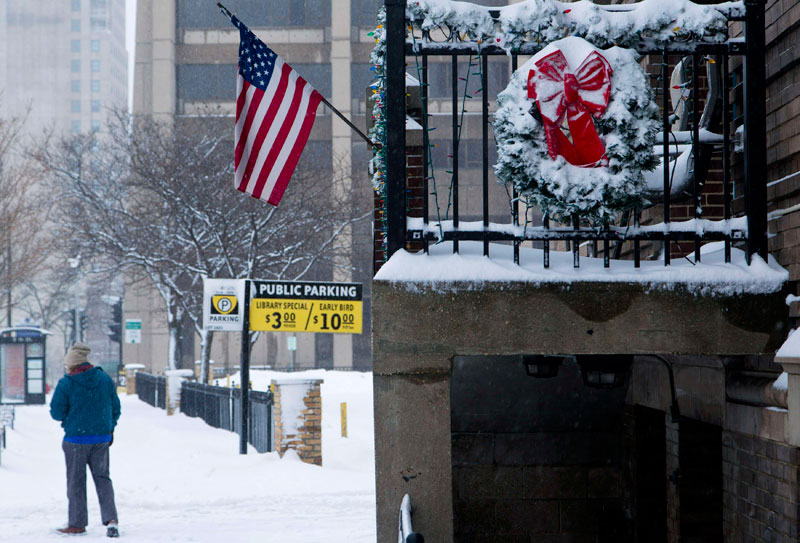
(115, 327)
(84, 322)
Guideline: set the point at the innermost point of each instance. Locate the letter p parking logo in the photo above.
(224, 305)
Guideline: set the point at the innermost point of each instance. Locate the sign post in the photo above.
(245, 369)
(291, 345)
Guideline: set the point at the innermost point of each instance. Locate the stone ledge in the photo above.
(560, 318)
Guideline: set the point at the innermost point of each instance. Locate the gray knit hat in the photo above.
(76, 356)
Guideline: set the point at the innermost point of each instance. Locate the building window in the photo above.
(95, 106)
(75, 66)
(76, 85)
(95, 126)
(257, 13)
(76, 106)
(76, 5)
(75, 46)
(76, 127)
(440, 83)
(206, 81)
(95, 85)
(76, 25)
(319, 75)
(95, 65)
(364, 13)
(98, 5)
(98, 24)
(361, 75)
(95, 46)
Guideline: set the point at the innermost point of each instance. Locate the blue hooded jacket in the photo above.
(87, 406)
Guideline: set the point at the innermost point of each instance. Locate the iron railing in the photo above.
(152, 389)
(749, 232)
(405, 532)
(221, 407)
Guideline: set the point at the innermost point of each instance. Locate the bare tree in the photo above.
(23, 247)
(158, 197)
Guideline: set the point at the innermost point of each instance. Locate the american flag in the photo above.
(275, 110)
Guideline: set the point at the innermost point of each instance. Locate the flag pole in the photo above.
(225, 11)
(229, 15)
(350, 124)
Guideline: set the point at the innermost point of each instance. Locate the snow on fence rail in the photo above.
(221, 407)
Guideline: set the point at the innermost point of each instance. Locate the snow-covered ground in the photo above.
(177, 479)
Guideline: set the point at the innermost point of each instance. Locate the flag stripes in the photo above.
(275, 111)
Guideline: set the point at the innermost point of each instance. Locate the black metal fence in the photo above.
(402, 51)
(221, 407)
(152, 389)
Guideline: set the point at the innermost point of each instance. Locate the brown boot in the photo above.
(71, 530)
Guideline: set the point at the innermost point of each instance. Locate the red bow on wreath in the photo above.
(559, 93)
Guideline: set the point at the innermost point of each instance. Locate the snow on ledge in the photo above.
(790, 350)
(442, 270)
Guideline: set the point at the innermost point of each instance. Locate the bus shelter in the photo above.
(22, 365)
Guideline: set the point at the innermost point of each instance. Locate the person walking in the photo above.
(86, 403)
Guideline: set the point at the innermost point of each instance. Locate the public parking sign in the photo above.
(301, 306)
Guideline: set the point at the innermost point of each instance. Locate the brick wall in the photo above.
(783, 135)
(307, 439)
(760, 489)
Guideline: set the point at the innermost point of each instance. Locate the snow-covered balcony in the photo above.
(635, 223)
(617, 167)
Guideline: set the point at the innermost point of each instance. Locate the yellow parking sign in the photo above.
(300, 306)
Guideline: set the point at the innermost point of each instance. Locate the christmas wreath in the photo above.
(575, 130)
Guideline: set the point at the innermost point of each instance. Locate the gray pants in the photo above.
(96, 456)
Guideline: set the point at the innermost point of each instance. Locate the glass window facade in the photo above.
(256, 13)
(75, 66)
(218, 81)
(364, 13)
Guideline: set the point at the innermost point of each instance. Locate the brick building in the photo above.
(490, 405)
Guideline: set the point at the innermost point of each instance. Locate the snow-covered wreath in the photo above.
(603, 99)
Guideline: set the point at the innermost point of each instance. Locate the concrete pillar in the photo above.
(175, 378)
(413, 443)
(130, 377)
(791, 365)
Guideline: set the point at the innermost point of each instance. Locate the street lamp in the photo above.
(74, 263)
(604, 371)
(541, 366)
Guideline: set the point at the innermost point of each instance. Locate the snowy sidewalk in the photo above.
(177, 479)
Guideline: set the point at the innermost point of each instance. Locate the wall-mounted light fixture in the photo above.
(537, 365)
(605, 371)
